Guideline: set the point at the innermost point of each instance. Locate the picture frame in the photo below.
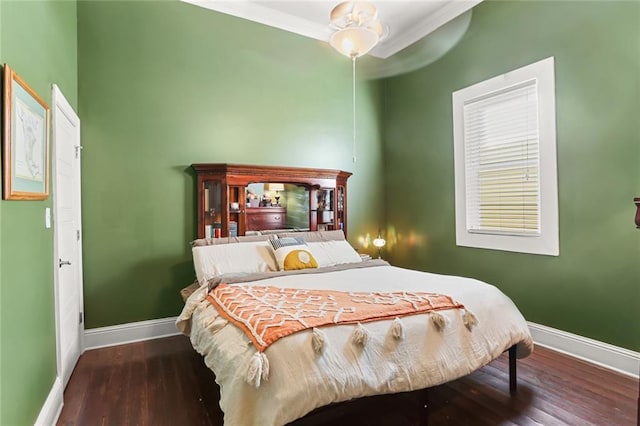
(25, 140)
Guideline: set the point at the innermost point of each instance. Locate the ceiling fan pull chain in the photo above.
(353, 61)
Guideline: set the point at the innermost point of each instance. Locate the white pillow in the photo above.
(214, 260)
(315, 236)
(336, 252)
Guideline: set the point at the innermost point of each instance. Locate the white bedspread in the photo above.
(301, 380)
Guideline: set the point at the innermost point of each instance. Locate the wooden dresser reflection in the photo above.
(266, 218)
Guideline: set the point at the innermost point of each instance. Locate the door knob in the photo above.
(61, 263)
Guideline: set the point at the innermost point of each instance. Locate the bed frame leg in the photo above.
(424, 410)
(513, 380)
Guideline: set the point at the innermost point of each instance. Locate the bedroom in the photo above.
(162, 85)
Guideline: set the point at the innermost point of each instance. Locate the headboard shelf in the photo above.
(314, 199)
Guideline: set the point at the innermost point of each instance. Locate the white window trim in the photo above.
(548, 241)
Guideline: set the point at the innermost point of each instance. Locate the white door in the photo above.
(67, 235)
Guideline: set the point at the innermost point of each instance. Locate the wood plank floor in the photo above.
(165, 382)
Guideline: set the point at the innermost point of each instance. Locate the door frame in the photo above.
(60, 103)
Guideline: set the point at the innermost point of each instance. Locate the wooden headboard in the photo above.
(223, 210)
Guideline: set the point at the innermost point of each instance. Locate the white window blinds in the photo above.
(502, 153)
(506, 180)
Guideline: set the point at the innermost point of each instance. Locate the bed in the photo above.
(276, 378)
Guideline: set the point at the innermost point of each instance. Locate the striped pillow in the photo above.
(292, 253)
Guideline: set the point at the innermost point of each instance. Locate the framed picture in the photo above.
(25, 141)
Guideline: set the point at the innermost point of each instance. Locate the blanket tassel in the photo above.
(360, 335)
(217, 324)
(469, 319)
(438, 320)
(265, 366)
(258, 369)
(318, 340)
(396, 329)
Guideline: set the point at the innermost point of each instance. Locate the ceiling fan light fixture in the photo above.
(358, 29)
(354, 42)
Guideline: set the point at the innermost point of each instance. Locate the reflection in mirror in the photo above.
(292, 198)
(297, 206)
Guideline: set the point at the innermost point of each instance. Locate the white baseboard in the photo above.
(52, 406)
(128, 333)
(605, 355)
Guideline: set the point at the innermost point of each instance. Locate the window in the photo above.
(505, 162)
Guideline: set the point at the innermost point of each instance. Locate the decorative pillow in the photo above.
(214, 260)
(336, 252)
(292, 253)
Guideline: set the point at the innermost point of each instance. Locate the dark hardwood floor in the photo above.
(165, 382)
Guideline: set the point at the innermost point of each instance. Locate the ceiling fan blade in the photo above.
(420, 54)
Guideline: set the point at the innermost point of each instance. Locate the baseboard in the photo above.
(605, 355)
(52, 405)
(95, 338)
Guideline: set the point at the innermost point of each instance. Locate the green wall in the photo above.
(1, 339)
(38, 39)
(163, 85)
(593, 287)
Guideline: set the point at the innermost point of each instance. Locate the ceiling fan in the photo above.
(413, 34)
(421, 53)
(357, 29)
(408, 34)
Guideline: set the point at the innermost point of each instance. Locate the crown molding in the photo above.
(397, 42)
(392, 43)
(254, 11)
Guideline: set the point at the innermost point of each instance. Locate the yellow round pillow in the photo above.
(299, 259)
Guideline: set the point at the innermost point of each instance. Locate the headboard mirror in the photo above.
(236, 200)
(275, 206)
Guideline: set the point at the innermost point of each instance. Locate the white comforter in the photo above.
(301, 380)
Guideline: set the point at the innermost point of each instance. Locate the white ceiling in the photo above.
(405, 21)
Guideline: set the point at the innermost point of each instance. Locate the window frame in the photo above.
(547, 242)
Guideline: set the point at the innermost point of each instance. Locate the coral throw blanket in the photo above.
(266, 313)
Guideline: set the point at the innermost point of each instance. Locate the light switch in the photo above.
(47, 217)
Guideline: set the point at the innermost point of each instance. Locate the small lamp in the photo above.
(379, 242)
(276, 187)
